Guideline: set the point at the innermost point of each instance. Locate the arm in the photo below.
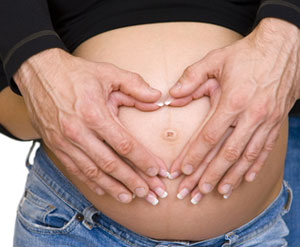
(14, 116)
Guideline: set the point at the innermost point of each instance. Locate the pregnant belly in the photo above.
(160, 53)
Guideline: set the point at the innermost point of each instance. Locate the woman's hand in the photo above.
(67, 99)
(259, 80)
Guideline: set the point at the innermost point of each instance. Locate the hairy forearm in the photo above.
(14, 116)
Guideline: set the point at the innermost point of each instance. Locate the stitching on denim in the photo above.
(69, 227)
(57, 194)
(116, 236)
(259, 232)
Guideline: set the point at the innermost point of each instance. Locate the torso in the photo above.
(161, 53)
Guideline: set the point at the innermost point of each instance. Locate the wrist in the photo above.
(39, 64)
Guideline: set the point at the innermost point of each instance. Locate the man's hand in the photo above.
(68, 99)
(259, 79)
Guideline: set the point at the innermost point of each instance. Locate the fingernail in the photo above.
(99, 192)
(152, 171)
(133, 196)
(168, 101)
(174, 175)
(188, 169)
(140, 192)
(196, 198)
(182, 194)
(226, 196)
(251, 177)
(206, 188)
(161, 192)
(124, 198)
(178, 85)
(226, 188)
(160, 104)
(164, 173)
(151, 199)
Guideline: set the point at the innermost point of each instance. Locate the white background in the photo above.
(13, 174)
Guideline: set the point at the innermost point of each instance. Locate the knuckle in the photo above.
(73, 170)
(70, 129)
(259, 113)
(236, 102)
(190, 73)
(131, 182)
(270, 146)
(195, 158)
(251, 156)
(91, 116)
(231, 154)
(109, 166)
(125, 146)
(210, 138)
(91, 172)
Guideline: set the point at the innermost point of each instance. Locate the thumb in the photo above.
(132, 84)
(198, 73)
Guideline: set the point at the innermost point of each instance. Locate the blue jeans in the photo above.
(52, 212)
(292, 175)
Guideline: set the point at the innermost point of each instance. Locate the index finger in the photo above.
(125, 145)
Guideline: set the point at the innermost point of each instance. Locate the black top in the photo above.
(28, 27)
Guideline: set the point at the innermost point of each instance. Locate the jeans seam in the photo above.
(116, 236)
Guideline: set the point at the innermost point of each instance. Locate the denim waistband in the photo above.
(57, 182)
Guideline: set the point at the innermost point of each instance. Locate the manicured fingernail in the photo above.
(251, 177)
(182, 194)
(160, 103)
(178, 85)
(164, 173)
(99, 192)
(206, 188)
(188, 169)
(152, 171)
(196, 198)
(226, 196)
(168, 101)
(161, 192)
(140, 192)
(173, 175)
(151, 199)
(226, 189)
(124, 198)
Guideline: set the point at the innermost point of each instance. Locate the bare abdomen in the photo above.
(160, 53)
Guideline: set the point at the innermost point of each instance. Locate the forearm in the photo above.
(14, 116)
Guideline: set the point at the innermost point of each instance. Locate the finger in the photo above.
(210, 88)
(251, 153)
(125, 145)
(268, 147)
(155, 183)
(197, 74)
(117, 99)
(133, 85)
(196, 196)
(191, 181)
(228, 155)
(212, 132)
(72, 168)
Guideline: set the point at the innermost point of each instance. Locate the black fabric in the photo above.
(28, 27)
(4, 131)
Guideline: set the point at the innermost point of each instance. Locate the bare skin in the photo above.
(259, 78)
(166, 131)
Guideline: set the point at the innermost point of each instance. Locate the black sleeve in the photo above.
(25, 30)
(7, 133)
(288, 10)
